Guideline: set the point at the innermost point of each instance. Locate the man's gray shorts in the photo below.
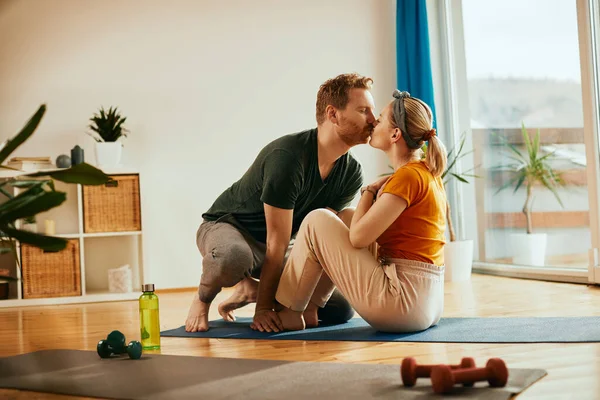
(229, 254)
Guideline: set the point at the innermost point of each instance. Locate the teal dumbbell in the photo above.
(115, 344)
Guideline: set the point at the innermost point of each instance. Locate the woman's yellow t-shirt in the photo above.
(418, 233)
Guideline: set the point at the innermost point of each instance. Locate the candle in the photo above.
(50, 227)
(77, 155)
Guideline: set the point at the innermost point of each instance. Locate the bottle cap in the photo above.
(148, 287)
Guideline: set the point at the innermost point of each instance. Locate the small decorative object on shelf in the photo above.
(120, 279)
(77, 156)
(50, 226)
(63, 161)
(107, 127)
(30, 224)
(30, 163)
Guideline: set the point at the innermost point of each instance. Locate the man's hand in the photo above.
(266, 320)
(279, 229)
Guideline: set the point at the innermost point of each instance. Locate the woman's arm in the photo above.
(372, 219)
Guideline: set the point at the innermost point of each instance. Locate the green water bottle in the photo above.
(149, 320)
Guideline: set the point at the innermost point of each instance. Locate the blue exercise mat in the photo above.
(449, 330)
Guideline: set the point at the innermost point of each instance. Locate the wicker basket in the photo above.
(51, 274)
(113, 207)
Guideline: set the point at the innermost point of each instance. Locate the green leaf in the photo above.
(21, 199)
(28, 183)
(460, 178)
(520, 160)
(526, 140)
(547, 156)
(49, 243)
(465, 154)
(519, 183)
(536, 143)
(4, 192)
(8, 277)
(23, 135)
(5, 250)
(509, 183)
(35, 189)
(83, 173)
(35, 205)
(552, 185)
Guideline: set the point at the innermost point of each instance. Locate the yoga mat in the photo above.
(157, 376)
(449, 330)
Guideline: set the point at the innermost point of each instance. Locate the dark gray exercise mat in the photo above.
(448, 330)
(157, 376)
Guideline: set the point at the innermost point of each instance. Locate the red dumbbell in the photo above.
(410, 370)
(444, 378)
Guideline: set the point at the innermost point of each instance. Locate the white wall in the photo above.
(204, 84)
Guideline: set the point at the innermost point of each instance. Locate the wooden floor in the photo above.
(574, 369)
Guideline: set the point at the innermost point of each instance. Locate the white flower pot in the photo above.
(31, 227)
(529, 249)
(458, 258)
(108, 154)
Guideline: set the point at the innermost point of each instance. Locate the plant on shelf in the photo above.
(108, 125)
(106, 129)
(530, 169)
(450, 174)
(37, 193)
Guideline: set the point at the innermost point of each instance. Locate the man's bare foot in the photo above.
(244, 293)
(197, 319)
(291, 320)
(311, 316)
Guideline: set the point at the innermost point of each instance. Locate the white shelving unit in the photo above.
(98, 252)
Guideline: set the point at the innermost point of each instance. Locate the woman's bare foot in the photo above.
(244, 293)
(197, 319)
(311, 316)
(291, 320)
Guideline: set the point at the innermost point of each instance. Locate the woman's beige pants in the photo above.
(394, 296)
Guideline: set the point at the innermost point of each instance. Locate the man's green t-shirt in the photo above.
(285, 174)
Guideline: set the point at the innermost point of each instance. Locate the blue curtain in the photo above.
(413, 61)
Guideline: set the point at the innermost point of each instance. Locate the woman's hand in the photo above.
(379, 184)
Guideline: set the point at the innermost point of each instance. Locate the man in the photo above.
(248, 231)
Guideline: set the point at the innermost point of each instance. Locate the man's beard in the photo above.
(352, 134)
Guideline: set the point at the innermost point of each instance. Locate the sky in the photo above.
(521, 39)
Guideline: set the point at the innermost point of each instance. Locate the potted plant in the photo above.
(37, 195)
(107, 127)
(530, 169)
(458, 254)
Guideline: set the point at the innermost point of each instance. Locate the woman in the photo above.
(402, 290)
